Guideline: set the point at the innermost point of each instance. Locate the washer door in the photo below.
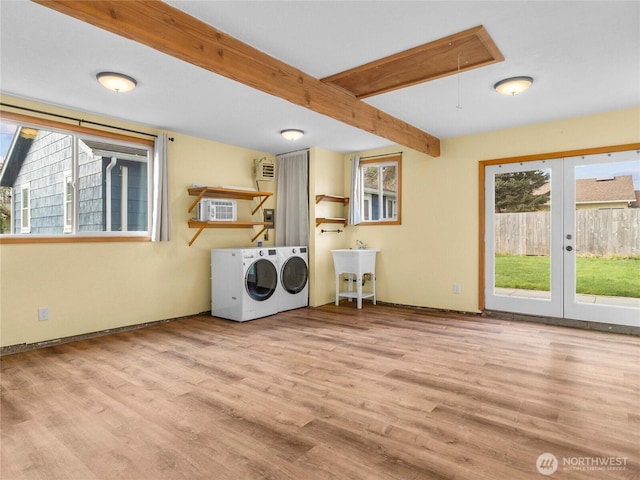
(261, 280)
(294, 275)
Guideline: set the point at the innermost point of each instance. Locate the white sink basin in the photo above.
(358, 261)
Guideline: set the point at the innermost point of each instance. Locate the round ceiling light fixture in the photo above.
(292, 134)
(513, 86)
(116, 82)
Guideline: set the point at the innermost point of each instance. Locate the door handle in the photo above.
(569, 248)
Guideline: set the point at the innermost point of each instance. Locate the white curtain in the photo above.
(354, 202)
(161, 214)
(292, 204)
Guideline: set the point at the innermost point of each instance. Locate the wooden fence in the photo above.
(598, 232)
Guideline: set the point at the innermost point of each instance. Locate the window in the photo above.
(25, 208)
(68, 202)
(75, 183)
(380, 190)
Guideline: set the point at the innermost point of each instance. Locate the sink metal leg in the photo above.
(373, 287)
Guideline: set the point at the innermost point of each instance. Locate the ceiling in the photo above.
(584, 58)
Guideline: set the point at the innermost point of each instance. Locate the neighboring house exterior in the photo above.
(371, 193)
(610, 192)
(602, 193)
(110, 184)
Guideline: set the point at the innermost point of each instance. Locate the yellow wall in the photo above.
(97, 286)
(437, 243)
(326, 176)
(90, 287)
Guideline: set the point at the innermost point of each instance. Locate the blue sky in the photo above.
(6, 135)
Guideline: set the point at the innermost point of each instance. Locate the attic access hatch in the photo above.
(456, 53)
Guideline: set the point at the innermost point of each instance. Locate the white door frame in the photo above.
(573, 308)
(543, 305)
(569, 308)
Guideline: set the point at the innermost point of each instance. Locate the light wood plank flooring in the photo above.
(325, 393)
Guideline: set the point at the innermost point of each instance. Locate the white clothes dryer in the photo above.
(294, 277)
(244, 283)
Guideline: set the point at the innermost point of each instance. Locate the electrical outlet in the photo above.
(43, 314)
(456, 288)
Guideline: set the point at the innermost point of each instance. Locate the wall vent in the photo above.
(265, 169)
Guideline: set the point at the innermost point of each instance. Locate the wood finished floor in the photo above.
(324, 393)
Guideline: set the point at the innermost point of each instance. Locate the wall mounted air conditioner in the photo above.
(217, 209)
(265, 169)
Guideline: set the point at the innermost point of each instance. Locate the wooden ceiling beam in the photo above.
(466, 50)
(173, 32)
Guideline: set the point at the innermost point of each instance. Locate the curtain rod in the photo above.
(382, 155)
(80, 120)
(293, 151)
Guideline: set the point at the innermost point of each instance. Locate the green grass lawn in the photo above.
(616, 277)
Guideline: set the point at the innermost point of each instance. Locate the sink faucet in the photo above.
(360, 245)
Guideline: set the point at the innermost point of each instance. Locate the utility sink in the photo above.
(347, 260)
(355, 262)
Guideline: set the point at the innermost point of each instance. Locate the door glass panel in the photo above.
(607, 236)
(522, 234)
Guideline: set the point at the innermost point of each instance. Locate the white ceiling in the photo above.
(584, 58)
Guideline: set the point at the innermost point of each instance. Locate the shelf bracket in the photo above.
(264, 199)
(259, 233)
(195, 202)
(200, 229)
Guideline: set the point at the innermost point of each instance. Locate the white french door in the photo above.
(562, 238)
(523, 244)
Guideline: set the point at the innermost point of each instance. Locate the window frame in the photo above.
(77, 131)
(381, 162)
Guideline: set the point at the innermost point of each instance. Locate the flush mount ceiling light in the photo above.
(292, 134)
(117, 82)
(513, 86)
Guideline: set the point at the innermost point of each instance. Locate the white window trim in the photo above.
(68, 222)
(366, 207)
(124, 199)
(391, 204)
(25, 227)
(12, 228)
(367, 210)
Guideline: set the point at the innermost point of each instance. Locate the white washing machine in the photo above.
(244, 283)
(294, 277)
